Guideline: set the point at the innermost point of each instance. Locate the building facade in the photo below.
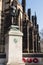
(13, 13)
(6, 19)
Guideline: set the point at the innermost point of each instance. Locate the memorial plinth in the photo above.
(13, 46)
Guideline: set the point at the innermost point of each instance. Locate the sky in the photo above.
(36, 6)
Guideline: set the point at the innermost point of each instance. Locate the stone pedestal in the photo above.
(13, 46)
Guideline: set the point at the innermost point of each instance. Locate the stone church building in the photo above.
(13, 13)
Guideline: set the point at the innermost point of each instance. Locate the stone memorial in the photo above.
(13, 46)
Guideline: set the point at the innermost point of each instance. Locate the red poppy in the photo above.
(29, 60)
(35, 60)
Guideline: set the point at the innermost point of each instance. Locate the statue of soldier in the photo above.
(13, 12)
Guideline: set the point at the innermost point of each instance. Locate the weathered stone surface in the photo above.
(13, 46)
